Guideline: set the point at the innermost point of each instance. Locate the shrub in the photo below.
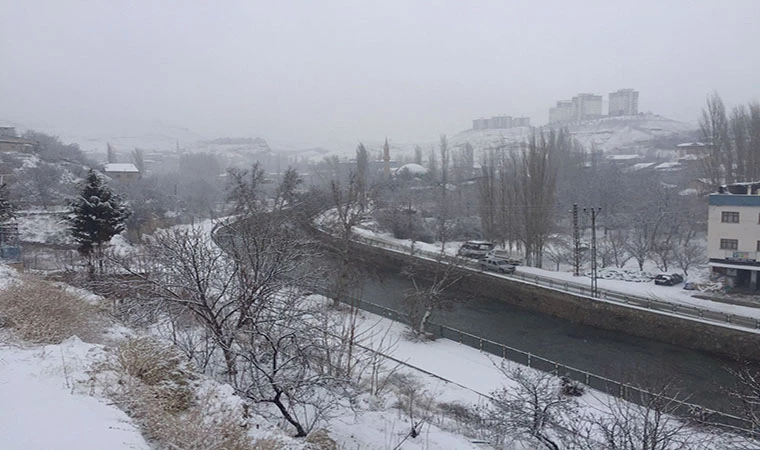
(44, 313)
(571, 387)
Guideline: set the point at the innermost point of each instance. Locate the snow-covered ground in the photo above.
(45, 403)
(43, 226)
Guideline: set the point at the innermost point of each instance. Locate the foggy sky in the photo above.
(315, 72)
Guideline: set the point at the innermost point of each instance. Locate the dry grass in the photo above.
(44, 313)
(155, 387)
(157, 371)
(208, 424)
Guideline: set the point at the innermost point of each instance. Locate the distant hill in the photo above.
(608, 134)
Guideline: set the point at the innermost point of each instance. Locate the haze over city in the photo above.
(314, 73)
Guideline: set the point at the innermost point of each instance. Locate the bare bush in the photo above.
(44, 313)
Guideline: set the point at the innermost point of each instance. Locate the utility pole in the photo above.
(576, 243)
(594, 284)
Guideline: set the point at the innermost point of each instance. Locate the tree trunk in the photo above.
(300, 431)
(425, 316)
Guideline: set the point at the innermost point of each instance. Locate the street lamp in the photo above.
(594, 285)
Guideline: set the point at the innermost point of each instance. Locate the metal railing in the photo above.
(609, 386)
(740, 322)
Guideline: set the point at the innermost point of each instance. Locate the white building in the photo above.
(587, 106)
(624, 102)
(563, 112)
(733, 233)
(521, 122)
(480, 124)
(122, 172)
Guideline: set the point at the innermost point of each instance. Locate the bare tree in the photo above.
(718, 164)
(41, 185)
(533, 410)
(429, 292)
(443, 214)
(111, 153)
(418, 155)
(246, 189)
(536, 190)
(138, 159)
(613, 243)
(648, 424)
(279, 356)
(349, 213)
(559, 251)
(688, 255)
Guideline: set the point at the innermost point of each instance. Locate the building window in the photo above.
(758, 246)
(729, 244)
(730, 217)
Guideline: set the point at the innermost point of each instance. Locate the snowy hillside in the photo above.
(609, 134)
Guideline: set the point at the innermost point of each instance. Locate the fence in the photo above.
(656, 305)
(618, 389)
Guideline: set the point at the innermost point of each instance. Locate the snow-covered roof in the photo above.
(120, 167)
(622, 157)
(692, 144)
(640, 166)
(668, 166)
(414, 169)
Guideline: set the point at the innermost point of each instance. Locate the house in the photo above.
(692, 150)
(122, 172)
(733, 234)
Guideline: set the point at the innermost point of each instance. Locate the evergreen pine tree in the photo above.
(97, 216)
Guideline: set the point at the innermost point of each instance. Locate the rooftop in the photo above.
(120, 167)
(734, 200)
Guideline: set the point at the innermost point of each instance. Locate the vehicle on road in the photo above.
(505, 255)
(475, 249)
(497, 265)
(665, 279)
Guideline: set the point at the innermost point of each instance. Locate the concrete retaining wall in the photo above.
(696, 335)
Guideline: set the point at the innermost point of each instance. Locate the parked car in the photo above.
(505, 255)
(497, 265)
(665, 279)
(476, 249)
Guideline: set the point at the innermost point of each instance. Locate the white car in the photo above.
(497, 265)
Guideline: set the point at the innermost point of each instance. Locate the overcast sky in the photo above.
(316, 72)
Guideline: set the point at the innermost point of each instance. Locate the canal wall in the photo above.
(713, 338)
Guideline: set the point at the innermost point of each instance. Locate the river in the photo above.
(700, 377)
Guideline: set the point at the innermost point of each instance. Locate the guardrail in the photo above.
(618, 389)
(656, 305)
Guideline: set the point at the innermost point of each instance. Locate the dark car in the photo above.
(475, 249)
(497, 265)
(665, 279)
